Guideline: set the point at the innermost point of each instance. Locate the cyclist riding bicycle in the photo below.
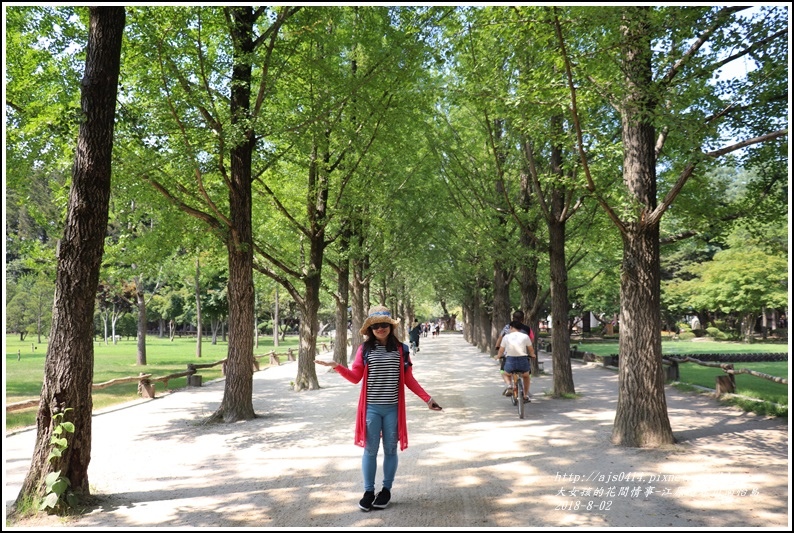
(516, 346)
(517, 316)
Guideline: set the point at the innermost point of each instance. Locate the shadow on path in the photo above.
(473, 465)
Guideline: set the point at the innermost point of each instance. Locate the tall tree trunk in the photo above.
(317, 201)
(105, 326)
(484, 338)
(528, 270)
(197, 293)
(560, 334)
(501, 304)
(502, 277)
(113, 319)
(215, 324)
(641, 417)
(358, 300)
(237, 402)
(69, 364)
(275, 321)
(586, 323)
(140, 301)
(530, 294)
(306, 377)
(560, 338)
(467, 321)
(343, 290)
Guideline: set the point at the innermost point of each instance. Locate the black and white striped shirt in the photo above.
(383, 376)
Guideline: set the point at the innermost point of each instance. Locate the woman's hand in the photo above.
(332, 364)
(431, 403)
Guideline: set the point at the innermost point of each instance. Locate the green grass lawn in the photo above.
(24, 368)
(772, 395)
(24, 371)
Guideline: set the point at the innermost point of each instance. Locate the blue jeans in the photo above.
(381, 419)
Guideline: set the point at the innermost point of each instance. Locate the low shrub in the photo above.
(715, 334)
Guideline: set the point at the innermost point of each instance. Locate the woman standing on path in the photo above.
(384, 364)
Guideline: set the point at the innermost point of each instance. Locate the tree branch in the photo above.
(657, 213)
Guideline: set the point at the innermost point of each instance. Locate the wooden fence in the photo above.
(724, 384)
(146, 383)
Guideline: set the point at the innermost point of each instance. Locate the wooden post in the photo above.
(726, 384)
(194, 380)
(671, 371)
(290, 355)
(145, 387)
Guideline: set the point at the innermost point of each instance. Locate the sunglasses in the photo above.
(381, 325)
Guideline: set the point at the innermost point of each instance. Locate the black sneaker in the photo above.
(382, 499)
(365, 504)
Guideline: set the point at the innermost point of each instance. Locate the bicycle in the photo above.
(517, 398)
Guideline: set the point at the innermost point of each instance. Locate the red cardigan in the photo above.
(358, 372)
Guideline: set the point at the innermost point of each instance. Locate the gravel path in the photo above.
(473, 465)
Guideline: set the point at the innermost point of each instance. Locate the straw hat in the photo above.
(378, 314)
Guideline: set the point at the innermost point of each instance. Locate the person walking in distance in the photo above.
(383, 364)
(517, 348)
(415, 333)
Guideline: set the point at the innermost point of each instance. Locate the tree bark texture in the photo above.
(317, 200)
(343, 289)
(357, 311)
(501, 304)
(560, 338)
(306, 378)
(528, 272)
(237, 402)
(483, 318)
(197, 289)
(558, 269)
(641, 418)
(69, 364)
(140, 302)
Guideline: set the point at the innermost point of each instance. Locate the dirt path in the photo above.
(474, 465)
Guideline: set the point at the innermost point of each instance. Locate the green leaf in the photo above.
(60, 485)
(51, 478)
(61, 443)
(56, 452)
(50, 501)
